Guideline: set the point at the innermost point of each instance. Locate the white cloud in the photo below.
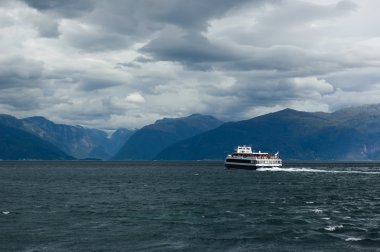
(135, 98)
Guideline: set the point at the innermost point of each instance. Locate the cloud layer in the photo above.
(127, 63)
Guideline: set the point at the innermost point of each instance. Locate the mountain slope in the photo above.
(111, 145)
(147, 142)
(16, 144)
(77, 141)
(297, 135)
(273, 132)
(365, 118)
(118, 139)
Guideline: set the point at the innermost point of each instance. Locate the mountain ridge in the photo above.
(17, 144)
(78, 141)
(348, 134)
(298, 135)
(151, 139)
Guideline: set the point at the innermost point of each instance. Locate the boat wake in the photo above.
(316, 170)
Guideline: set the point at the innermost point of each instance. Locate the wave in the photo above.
(354, 239)
(333, 228)
(316, 170)
(317, 210)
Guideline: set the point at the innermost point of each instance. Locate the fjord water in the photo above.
(188, 206)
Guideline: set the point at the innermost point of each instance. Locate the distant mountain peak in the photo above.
(372, 110)
(7, 116)
(348, 134)
(10, 121)
(39, 120)
(368, 108)
(76, 141)
(18, 144)
(198, 115)
(151, 139)
(164, 120)
(184, 118)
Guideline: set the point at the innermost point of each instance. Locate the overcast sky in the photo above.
(127, 63)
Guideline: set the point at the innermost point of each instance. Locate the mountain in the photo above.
(349, 134)
(16, 144)
(111, 145)
(118, 139)
(77, 141)
(365, 118)
(10, 121)
(147, 142)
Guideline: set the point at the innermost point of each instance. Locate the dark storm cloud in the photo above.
(120, 23)
(136, 63)
(89, 85)
(287, 61)
(67, 8)
(192, 50)
(190, 15)
(195, 51)
(142, 59)
(20, 99)
(86, 115)
(19, 72)
(135, 15)
(127, 64)
(47, 27)
(96, 40)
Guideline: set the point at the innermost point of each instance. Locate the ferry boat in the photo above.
(245, 158)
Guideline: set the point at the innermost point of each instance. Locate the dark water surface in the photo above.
(188, 206)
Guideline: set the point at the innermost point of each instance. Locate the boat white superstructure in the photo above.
(245, 158)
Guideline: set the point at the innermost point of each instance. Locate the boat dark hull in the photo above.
(249, 166)
(239, 166)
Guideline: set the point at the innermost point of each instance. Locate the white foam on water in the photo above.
(333, 228)
(290, 169)
(6, 212)
(269, 169)
(353, 239)
(317, 210)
